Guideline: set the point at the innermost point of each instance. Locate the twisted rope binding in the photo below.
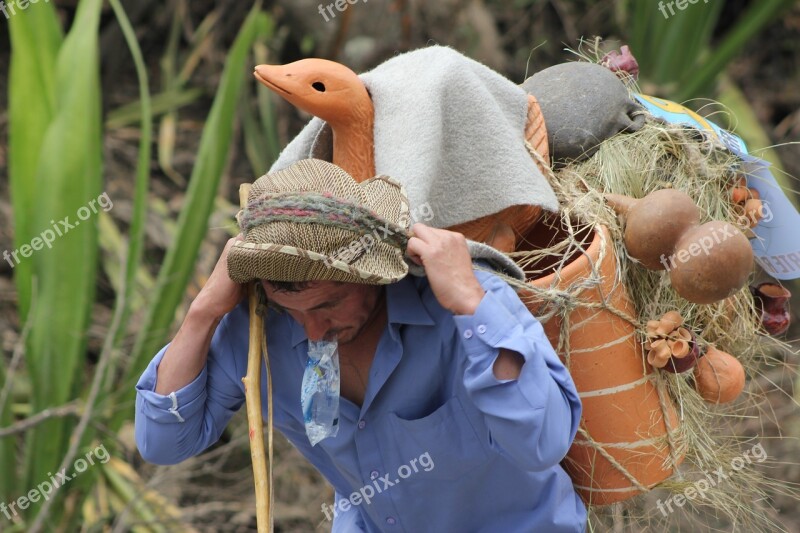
(323, 209)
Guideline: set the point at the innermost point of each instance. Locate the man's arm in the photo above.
(184, 400)
(512, 374)
(187, 353)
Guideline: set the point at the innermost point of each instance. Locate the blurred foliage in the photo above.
(56, 149)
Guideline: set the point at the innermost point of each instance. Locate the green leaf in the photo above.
(179, 262)
(137, 229)
(749, 24)
(35, 40)
(68, 187)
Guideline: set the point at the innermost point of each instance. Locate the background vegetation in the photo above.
(153, 103)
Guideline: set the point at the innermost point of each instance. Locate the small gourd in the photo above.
(719, 376)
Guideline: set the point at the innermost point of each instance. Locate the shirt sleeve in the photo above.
(171, 428)
(349, 521)
(534, 418)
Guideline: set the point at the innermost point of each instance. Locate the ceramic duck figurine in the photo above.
(334, 93)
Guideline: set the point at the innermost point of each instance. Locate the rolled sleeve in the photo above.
(175, 407)
(171, 428)
(532, 419)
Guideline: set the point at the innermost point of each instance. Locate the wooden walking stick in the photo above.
(262, 461)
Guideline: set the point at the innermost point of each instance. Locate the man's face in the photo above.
(329, 310)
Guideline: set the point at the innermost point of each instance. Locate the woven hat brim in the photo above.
(249, 261)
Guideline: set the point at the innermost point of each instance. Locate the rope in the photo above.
(610, 458)
(321, 209)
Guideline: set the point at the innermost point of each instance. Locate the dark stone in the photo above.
(583, 105)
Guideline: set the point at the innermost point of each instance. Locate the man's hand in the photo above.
(220, 294)
(448, 265)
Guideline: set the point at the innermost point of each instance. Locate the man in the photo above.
(454, 411)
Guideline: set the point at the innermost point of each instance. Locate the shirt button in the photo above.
(468, 334)
(362, 424)
(374, 474)
(391, 521)
(481, 329)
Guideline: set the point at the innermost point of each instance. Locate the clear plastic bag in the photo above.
(319, 395)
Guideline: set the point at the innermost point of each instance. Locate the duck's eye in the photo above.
(319, 86)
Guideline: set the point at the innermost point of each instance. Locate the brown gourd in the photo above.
(719, 376)
(706, 262)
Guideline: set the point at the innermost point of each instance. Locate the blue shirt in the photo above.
(438, 445)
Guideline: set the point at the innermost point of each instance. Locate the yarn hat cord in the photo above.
(323, 209)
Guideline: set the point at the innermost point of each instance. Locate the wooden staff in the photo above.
(262, 463)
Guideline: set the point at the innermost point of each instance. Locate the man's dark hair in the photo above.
(289, 286)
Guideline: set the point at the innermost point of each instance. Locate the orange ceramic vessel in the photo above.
(623, 420)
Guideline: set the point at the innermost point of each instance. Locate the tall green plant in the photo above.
(179, 262)
(677, 59)
(68, 178)
(55, 167)
(673, 45)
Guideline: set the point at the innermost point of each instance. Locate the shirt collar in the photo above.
(404, 306)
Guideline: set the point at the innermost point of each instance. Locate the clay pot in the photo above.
(749, 207)
(621, 409)
(719, 376)
(685, 352)
(772, 303)
(706, 262)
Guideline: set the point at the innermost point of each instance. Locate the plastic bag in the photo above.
(319, 395)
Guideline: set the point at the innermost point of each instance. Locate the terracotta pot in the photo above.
(621, 409)
(772, 303)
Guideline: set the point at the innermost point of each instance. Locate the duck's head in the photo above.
(323, 88)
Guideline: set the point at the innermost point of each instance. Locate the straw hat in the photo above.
(312, 221)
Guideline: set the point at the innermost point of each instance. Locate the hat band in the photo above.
(323, 210)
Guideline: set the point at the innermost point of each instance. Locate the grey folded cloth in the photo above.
(451, 130)
(483, 254)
